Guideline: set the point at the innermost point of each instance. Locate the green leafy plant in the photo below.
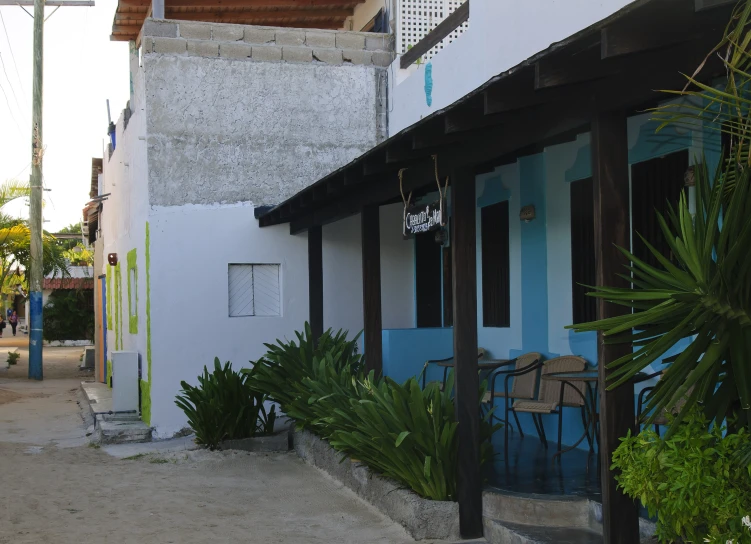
(690, 481)
(399, 430)
(13, 357)
(69, 315)
(280, 373)
(224, 407)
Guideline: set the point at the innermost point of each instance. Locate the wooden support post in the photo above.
(611, 200)
(467, 382)
(371, 288)
(315, 280)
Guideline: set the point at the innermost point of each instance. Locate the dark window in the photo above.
(496, 306)
(428, 280)
(654, 184)
(583, 266)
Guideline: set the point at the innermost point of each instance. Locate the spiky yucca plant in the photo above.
(703, 292)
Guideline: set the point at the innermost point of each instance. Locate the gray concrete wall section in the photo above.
(423, 519)
(241, 113)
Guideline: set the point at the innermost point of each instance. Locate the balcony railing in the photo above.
(434, 37)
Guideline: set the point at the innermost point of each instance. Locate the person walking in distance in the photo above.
(13, 320)
(2, 325)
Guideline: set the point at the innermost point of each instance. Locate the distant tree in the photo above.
(79, 255)
(15, 241)
(73, 228)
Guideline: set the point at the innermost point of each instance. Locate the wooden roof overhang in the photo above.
(619, 63)
(325, 14)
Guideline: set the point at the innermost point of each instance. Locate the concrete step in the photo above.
(121, 431)
(499, 532)
(540, 510)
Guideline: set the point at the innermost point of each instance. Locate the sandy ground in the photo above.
(56, 488)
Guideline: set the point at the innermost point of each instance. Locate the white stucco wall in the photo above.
(123, 219)
(500, 36)
(191, 248)
(342, 273)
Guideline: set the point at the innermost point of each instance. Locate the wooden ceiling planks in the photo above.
(325, 14)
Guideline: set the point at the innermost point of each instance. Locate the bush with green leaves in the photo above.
(69, 315)
(224, 407)
(691, 481)
(13, 357)
(399, 430)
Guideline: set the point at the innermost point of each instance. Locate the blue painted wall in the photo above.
(406, 350)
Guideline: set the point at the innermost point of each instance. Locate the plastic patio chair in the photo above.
(548, 396)
(524, 384)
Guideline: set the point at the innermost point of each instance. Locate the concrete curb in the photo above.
(423, 518)
(68, 343)
(277, 442)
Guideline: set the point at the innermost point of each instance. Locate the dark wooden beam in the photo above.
(371, 288)
(402, 151)
(682, 58)
(435, 36)
(335, 184)
(701, 5)
(435, 136)
(610, 172)
(470, 117)
(319, 192)
(650, 33)
(567, 110)
(511, 92)
(353, 175)
(467, 383)
(315, 280)
(569, 67)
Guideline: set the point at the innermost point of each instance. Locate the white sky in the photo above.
(82, 69)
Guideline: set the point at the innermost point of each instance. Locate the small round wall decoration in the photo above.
(429, 84)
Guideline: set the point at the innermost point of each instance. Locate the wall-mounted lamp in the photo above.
(112, 259)
(442, 237)
(527, 214)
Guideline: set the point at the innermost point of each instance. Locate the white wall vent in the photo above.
(416, 18)
(254, 290)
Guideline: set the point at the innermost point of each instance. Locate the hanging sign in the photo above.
(423, 218)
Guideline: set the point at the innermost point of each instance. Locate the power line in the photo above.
(11, 111)
(12, 56)
(2, 62)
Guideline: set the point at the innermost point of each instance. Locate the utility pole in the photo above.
(36, 274)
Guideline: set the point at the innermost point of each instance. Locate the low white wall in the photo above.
(191, 247)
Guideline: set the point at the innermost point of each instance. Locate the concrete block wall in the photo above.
(267, 44)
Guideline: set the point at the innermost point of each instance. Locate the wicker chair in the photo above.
(524, 384)
(549, 395)
(663, 418)
(480, 355)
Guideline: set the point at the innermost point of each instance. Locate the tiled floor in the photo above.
(530, 469)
